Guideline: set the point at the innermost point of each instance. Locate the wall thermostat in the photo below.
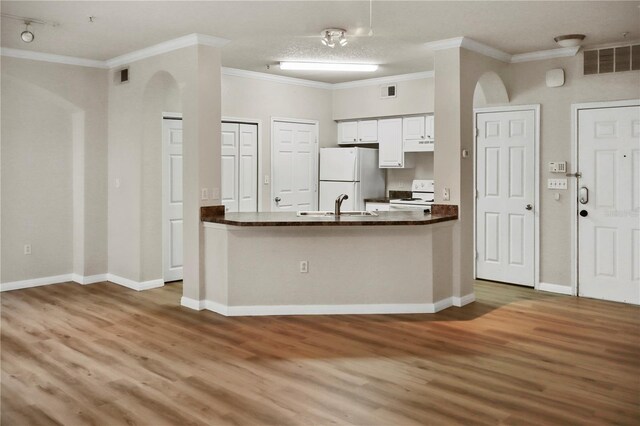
(555, 77)
(558, 167)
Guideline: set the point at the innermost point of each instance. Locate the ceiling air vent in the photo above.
(611, 59)
(388, 91)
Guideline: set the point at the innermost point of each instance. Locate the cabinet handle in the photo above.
(421, 137)
(354, 139)
(361, 139)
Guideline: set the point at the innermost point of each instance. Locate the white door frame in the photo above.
(536, 166)
(575, 108)
(165, 237)
(258, 122)
(316, 124)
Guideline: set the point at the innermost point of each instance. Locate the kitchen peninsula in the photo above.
(283, 264)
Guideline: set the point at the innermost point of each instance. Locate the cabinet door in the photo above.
(413, 128)
(368, 131)
(348, 132)
(390, 151)
(429, 132)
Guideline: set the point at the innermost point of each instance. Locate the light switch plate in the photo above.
(556, 184)
(204, 194)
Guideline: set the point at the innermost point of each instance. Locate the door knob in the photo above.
(529, 207)
(277, 200)
(584, 213)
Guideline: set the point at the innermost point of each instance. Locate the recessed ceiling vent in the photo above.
(388, 91)
(612, 59)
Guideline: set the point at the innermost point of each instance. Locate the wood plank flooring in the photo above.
(105, 355)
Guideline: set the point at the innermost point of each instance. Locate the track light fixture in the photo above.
(331, 35)
(27, 36)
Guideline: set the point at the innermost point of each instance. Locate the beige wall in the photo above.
(414, 97)
(259, 99)
(526, 84)
(54, 168)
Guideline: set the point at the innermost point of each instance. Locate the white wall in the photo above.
(526, 84)
(251, 98)
(54, 165)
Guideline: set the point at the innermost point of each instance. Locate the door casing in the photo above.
(536, 149)
(316, 155)
(575, 108)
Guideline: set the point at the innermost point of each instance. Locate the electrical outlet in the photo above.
(117, 182)
(556, 184)
(27, 249)
(446, 194)
(204, 193)
(266, 179)
(304, 266)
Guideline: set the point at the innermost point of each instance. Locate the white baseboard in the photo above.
(194, 304)
(36, 282)
(91, 279)
(464, 300)
(260, 310)
(555, 288)
(135, 285)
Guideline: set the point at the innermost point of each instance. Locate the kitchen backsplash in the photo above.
(401, 179)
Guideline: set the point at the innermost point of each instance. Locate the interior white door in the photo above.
(609, 196)
(505, 225)
(248, 168)
(172, 199)
(229, 166)
(294, 166)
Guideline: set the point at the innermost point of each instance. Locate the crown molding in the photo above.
(383, 80)
(545, 54)
(49, 57)
(166, 46)
(275, 78)
(486, 50)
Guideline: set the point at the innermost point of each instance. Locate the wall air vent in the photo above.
(612, 59)
(123, 75)
(388, 91)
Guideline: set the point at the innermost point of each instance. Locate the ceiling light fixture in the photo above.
(327, 66)
(27, 36)
(330, 35)
(570, 40)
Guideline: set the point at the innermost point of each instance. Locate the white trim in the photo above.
(359, 309)
(275, 78)
(316, 157)
(91, 279)
(49, 57)
(545, 54)
(575, 108)
(383, 80)
(464, 300)
(135, 285)
(190, 303)
(555, 288)
(258, 122)
(536, 203)
(36, 282)
(486, 50)
(164, 47)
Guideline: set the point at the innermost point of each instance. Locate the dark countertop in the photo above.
(290, 219)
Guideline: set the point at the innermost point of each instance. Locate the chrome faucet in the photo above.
(339, 201)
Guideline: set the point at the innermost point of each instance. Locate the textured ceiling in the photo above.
(267, 32)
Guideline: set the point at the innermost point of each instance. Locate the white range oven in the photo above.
(422, 197)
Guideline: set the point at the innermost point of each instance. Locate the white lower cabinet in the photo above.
(377, 207)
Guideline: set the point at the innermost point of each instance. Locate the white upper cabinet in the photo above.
(418, 133)
(348, 132)
(391, 153)
(368, 131)
(357, 132)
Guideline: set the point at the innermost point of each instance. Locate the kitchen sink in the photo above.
(321, 213)
(358, 213)
(327, 213)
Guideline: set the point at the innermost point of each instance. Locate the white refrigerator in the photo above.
(352, 171)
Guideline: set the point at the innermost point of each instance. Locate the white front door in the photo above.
(505, 174)
(172, 199)
(609, 204)
(294, 166)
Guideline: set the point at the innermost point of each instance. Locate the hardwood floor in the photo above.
(105, 355)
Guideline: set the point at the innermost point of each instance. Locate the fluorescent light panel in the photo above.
(325, 66)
